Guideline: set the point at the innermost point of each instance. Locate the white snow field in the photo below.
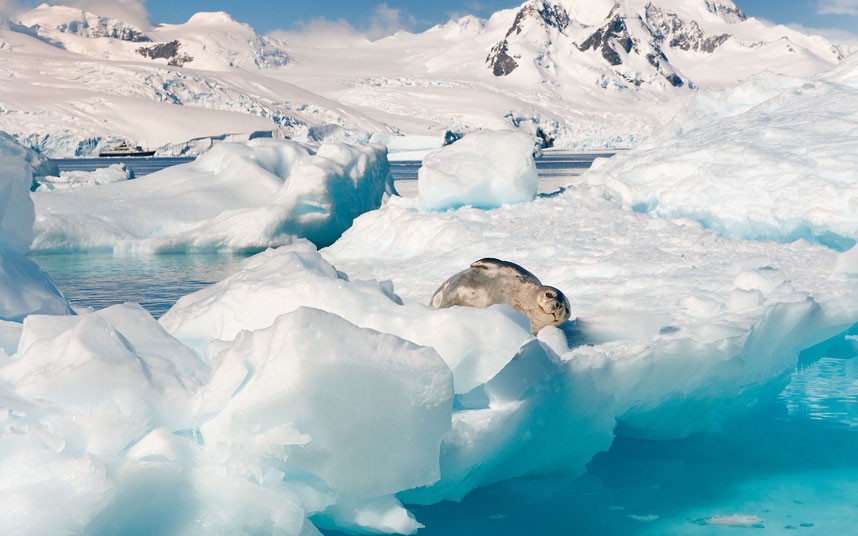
(237, 196)
(789, 142)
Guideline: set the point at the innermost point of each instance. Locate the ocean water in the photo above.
(98, 280)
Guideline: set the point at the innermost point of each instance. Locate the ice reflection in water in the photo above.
(826, 390)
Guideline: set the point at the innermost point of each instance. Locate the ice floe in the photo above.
(237, 196)
(773, 158)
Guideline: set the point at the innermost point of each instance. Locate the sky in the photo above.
(377, 19)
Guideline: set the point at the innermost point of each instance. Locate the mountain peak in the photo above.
(726, 9)
(212, 17)
(544, 12)
(63, 19)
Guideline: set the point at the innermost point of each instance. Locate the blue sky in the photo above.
(376, 17)
(415, 15)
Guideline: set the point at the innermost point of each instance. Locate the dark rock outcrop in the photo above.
(499, 59)
(168, 51)
(94, 26)
(610, 39)
(671, 29)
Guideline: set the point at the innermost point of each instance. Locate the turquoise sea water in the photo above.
(788, 466)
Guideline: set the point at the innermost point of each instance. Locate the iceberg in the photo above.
(791, 143)
(484, 169)
(24, 287)
(237, 197)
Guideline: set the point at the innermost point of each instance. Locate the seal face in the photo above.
(489, 281)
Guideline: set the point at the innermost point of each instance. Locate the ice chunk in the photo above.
(735, 520)
(76, 179)
(25, 289)
(382, 514)
(355, 401)
(16, 208)
(10, 334)
(237, 196)
(475, 343)
(664, 343)
(60, 357)
(536, 415)
(485, 169)
(847, 264)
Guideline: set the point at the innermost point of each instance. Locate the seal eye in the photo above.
(549, 294)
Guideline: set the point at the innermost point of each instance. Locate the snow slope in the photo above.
(585, 73)
(67, 94)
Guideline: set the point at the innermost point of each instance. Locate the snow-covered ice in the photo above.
(76, 179)
(485, 169)
(287, 278)
(789, 142)
(237, 196)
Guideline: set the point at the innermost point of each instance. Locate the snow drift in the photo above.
(237, 196)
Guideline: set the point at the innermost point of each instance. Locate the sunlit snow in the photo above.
(238, 196)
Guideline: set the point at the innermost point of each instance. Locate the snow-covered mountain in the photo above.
(638, 42)
(586, 74)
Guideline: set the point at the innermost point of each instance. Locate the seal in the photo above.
(489, 281)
